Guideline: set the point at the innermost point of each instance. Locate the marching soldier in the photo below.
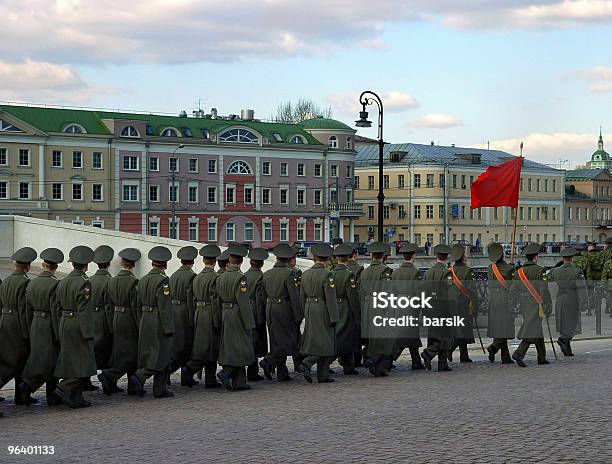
(222, 261)
(237, 323)
(279, 300)
(123, 298)
(607, 275)
(14, 326)
(102, 315)
(297, 272)
(379, 351)
(77, 358)
(571, 298)
(181, 282)
(349, 310)
(530, 291)
(409, 274)
(466, 303)
(207, 321)
(595, 260)
(438, 281)
(253, 277)
(44, 336)
(356, 268)
(500, 325)
(156, 326)
(318, 295)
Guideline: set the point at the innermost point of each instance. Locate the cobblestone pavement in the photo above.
(478, 413)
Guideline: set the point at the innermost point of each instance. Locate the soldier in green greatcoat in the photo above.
(278, 299)
(102, 313)
(125, 305)
(297, 273)
(500, 326)
(410, 276)
(223, 261)
(44, 334)
(465, 305)
(356, 268)
(207, 321)
(14, 324)
(531, 309)
(349, 310)
(379, 351)
(605, 277)
(77, 358)
(253, 276)
(181, 288)
(571, 299)
(156, 326)
(438, 281)
(318, 295)
(237, 322)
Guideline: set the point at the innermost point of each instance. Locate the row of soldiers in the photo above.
(596, 264)
(60, 333)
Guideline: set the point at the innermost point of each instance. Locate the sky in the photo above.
(470, 72)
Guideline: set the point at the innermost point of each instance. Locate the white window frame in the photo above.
(318, 166)
(93, 157)
(241, 167)
(61, 185)
(177, 185)
(317, 231)
(246, 239)
(101, 192)
(5, 152)
(251, 188)
(314, 197)
(130, 132)
(190, 186)
(286, 170)
(333, 171)
(7, 192)
(301, 231)
(227, 231)
(82, 191)
(193, 224)
(178, 164)
(154, 225)
(281, 189)
(214, 162)
(213, 225)
(132, 183)
(61, 159)
(177, 228)
(297, 169)
(269, 190)
(214, 188)
(333, 142)
(266, 227)
(74, 153)
(267, 164)
(156, 158)
(229, 187)
(157, 195)
(284, 226)
(126, 157)
(29, 152)
(300, 188)
(197, 165)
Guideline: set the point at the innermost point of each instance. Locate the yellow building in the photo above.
(427, 197)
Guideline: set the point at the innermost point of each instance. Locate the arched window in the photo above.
(349, 143)
(333, 142)
(74, 129)
(240, 168)
(129, 131)
(297, 139)
(238, 136)
(169, 132)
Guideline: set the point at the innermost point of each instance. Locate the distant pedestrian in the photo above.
(427, 247)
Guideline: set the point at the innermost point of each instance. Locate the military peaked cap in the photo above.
(81, 255)
(103, 254)
(160, 254)
(52, 255)
(25, 255)
(188, 253)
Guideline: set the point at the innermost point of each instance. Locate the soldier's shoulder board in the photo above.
(352, 281)
(243, 285)
(87, 292)
(330, 281)
(166, 289)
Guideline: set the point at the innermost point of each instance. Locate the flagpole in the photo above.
(513, 245)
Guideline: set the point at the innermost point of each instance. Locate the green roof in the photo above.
(56, 119)
(583, 174)
(603, 155)
(324, 123)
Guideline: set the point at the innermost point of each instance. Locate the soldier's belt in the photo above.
(276, 299)
(229, 305)
(201, 304)
(68, 313)
(178, 302)
(149, 309)
(120, 309)
(7, 311)
(42, 314)
(314, 299)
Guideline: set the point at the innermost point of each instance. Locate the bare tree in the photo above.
(303, 109)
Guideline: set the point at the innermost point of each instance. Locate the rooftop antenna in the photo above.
(488, 144)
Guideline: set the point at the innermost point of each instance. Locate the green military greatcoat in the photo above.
(156, 323)
(14, 328)
(571, 298)
(76, 335)
(464, 334)
(376, 271)
(207, 321)
(410, 276)
(125, 304)
(531, 327)
(349, 311)
(44, 331)
(237, 321)
(318, 295)
(279, 300)
(438, 281)
(181, 282)
(500, 317)
(260, 336)
(102, 317)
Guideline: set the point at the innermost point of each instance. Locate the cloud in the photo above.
(600, 78)
(436, 121)
(196, 31)
(44, 82)
(551, 147)
(393, 102)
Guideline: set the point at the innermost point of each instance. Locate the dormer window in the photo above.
(238, 136)
(349, 143)
(333, 142)
(170, 132)
(130, 131)
(74, 129)
(239, 168)
(297, 139)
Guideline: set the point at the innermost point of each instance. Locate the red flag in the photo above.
(498, 185)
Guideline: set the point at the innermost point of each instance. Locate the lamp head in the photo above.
(363, 119)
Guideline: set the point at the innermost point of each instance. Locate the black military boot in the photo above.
(561, 342)
(505, 355)
(464, 356)
(443, 363)
(519, 359)
(107, 384)
(426, 359)
(187, 379)
(492, 350)
(88, 386)
(267, 369)
(253, 372)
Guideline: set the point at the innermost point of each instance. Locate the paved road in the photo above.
(479, 413)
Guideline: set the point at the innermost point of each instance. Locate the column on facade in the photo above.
(340, 228)
(351, 236)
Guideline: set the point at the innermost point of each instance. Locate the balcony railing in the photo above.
(345, 209)
(603, 223)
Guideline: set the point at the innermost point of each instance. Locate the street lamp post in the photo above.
(368, 98)
(173, 206)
